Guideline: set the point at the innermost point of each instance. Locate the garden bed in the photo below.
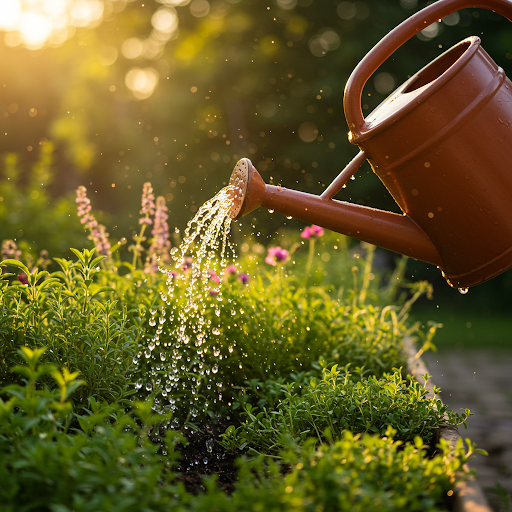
(272, 384)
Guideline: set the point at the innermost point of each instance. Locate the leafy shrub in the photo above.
(62, 312)
(338, 403)
(208, 345)
(109, 463)
(267, 328)
(356, 473)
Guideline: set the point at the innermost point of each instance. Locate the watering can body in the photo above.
(444, 153)
(442, 146)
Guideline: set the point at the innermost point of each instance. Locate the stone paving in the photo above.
(482, 382)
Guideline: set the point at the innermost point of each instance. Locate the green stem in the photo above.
(309, 263)
(138, 245)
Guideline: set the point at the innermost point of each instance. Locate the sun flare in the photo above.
(37, 23)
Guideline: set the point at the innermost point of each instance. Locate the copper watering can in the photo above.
(442, 146)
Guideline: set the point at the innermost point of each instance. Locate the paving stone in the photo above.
(482, 382)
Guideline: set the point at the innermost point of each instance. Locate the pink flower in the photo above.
(98, 235)
(244, 278)
(214, 292)
(212, 276)
(84, 208)
(187, 263)
(100, 238)
(22, 278)
(230, 270)
(10, 250)
(276, 254)
(312, 232)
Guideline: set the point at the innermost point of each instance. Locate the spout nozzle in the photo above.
(246, 189)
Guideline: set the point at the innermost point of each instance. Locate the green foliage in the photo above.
(29, 213)
(342, 402)
(270, 327)
(63, 312)
(109, 463)
(356, 473)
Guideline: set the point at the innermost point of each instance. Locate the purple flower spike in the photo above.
(84, 208)
(10, 250)
(244, 278)
(98, 235)
(159, 249)
(147, 203)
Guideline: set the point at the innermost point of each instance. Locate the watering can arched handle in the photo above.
(396, 38)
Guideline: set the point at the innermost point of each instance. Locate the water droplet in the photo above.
(463, 291)
(271, 211)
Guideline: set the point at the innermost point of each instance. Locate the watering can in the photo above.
(442, 146)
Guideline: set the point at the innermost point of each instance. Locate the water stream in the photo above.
(177, 353)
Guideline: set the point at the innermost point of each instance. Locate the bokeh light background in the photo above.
(176, 91)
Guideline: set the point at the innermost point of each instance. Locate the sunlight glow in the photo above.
(165, 20)
(10, 14)
(142, 82)
(36, 23)
(35, 29)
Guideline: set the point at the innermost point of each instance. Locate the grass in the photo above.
(468, 328)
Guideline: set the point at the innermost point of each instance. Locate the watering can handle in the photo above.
(396, 38)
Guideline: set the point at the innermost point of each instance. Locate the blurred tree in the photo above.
(176, 91)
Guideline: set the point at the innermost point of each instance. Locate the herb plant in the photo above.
(108, 461)
(106, 359)
(342, 402)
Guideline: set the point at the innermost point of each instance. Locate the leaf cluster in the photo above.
(339, 402)
(108, 462)
(67, 312)
(354, 474)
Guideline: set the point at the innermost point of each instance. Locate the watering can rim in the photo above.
(419, 95)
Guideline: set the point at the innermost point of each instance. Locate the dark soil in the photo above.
(203, 455)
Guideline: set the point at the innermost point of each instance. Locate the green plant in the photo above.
(355, 473)
(107, 462)
(266, 328)
(62, 312)
(53, 459)
(340, 402)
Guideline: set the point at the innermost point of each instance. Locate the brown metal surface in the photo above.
(441, 144)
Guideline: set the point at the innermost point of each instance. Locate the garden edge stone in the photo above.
(469, 497)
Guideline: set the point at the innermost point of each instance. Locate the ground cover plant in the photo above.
(338, 403)
(116, 361)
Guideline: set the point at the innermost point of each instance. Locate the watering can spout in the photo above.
(392, 231)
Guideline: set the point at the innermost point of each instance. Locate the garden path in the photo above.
(480, 380)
